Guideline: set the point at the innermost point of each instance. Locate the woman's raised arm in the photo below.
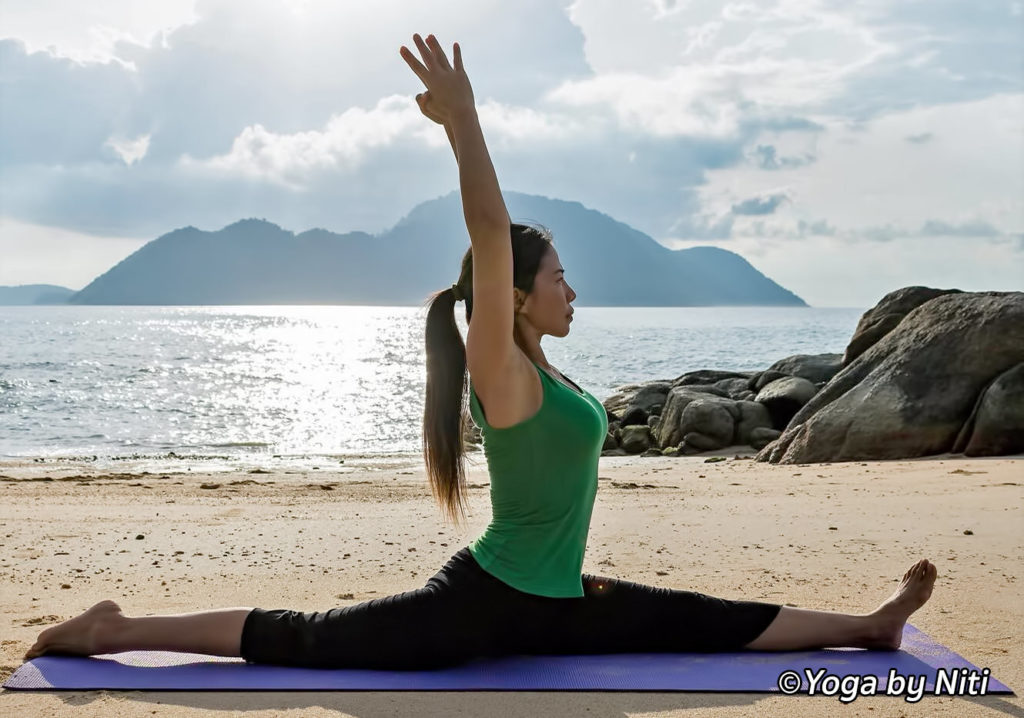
(449, 98)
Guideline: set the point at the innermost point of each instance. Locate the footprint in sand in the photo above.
(41, 620)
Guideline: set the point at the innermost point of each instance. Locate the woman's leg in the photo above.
(617, 616)
(104, 629)
(798, 628)
(446, 622)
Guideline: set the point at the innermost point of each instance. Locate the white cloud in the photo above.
(130, 151)
(89, 31)
(871, 175)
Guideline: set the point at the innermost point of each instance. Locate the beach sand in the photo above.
(823, 536)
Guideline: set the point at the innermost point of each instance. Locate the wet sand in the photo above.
(823, 536)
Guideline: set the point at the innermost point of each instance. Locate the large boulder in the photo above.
(676, 422)
(996, 426)
(913, 390)
(886, 315)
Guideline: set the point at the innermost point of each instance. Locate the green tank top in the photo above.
(543, 483)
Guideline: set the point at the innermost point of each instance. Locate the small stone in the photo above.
(139, 537)
(968, 532)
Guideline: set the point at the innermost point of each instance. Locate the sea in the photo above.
(237, 388)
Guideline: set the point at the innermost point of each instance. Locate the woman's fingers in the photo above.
(439, 56)
(457, 55)
(428, 56)
(414, 64)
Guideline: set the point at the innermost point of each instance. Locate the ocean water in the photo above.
(235, 388)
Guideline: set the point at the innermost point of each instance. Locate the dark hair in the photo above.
(445, 413)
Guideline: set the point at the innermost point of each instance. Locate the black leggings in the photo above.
(464, 612)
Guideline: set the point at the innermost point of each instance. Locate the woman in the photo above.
(517, 588)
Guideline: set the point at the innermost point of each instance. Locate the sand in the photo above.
(823, 536)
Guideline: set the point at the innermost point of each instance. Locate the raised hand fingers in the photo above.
(414, 64)
(439, 55)
(457, 56)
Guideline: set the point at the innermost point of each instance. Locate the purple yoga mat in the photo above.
(745, 671)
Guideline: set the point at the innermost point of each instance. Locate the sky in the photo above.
(845, 149)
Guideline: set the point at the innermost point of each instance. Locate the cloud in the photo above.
(759, 205)
(129, 150)
(767, 159)
(973, 228)
(919, 139)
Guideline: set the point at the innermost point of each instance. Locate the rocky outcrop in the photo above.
(709, 409)
(945, 378)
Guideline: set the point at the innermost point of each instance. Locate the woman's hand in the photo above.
(424, 100)
(448, 89)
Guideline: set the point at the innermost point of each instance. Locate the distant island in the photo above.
(257, 262)
(35, 294)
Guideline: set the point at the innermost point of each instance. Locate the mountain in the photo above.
(256, 262)
(35, 294)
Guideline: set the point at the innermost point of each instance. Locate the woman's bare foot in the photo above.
(914, 590)
(85, 635)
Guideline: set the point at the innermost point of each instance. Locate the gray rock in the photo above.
(762, 379)
(709, 376)
(886, 316)
(697, 442)
(734, 388)
(635, 439)
(710, 420)
(753, 415)
(762, 436)
(644, 396)
(996, 426)
(911, 392)
(633, 415)
(815, 368)
(783, 398)
(670, 429)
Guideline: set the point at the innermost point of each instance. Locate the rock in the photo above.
(762, 436)
(697, 442)
(783, 398)
(670, 429)
(635, 439)
(913, 390)
(815, 368)
(761, 379)
(753, 415)
(886, 315)
(708, 389)
(614, 452)
(996, 425)
(634, 415)
(644, 396)
(734, 388)
(708, 424)
(708, 376)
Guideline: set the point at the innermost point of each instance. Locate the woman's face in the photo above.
(547, 308)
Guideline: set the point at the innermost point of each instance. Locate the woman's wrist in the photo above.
(459, 115)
